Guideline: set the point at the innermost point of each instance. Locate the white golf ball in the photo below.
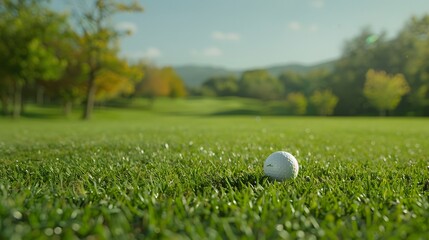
(281, 166)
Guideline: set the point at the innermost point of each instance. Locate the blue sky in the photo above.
(241, 34)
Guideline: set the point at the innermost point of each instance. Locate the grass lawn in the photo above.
(172, 173)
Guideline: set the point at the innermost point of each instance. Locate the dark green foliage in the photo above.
(403, 54)
(292, 82)
(259, 84)
(27, 32)
(220, 86)
(348, 78)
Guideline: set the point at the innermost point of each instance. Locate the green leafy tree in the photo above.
(324, 102)
(27, 27)
(69, 89)
(383, 91)
(412, 43)
(406, 54)
(292, 82)
(420, 99)
(315, 80)
(260, 84)
(296, 103)
(99, 38)
(347, 80)
(221, 86)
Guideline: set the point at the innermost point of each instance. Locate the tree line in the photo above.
(72, 59)
(374, 75)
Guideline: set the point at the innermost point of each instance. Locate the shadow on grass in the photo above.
(203, 107)
(278, 111)
(269, 111)
(41, 115)
(243, 112)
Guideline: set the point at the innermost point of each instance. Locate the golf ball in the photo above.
(281, 166)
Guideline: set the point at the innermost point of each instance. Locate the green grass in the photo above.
(133, 174)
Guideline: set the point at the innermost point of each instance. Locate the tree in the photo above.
(221, 86)
(347, 80)
(297, 103)
(292, 82)
(99, 38)
(259, 84)
(27, 27)
(5, 93)
(412, 44)
(324, 102)
(152, 84)
(315, 80)
(406, 54)
(116, 78)
(176, 85)
(383, 91)
(164, 82)
(69, 89)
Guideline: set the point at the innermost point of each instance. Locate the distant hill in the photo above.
(194, 75)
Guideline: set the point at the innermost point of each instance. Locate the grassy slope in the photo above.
(156, 174)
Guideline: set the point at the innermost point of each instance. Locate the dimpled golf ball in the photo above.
(281, 166)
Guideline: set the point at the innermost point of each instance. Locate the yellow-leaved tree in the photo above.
(176, 86)
(384, 91)
(160, 82)
(117, 78)
(99, 38)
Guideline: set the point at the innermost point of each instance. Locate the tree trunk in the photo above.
(151, 102)
(5, 104)
(39, 94)
(67, 108)
(17, 100)
(90, 97)
(22, 102)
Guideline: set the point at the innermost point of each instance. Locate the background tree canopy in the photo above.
(51, 57)
(384, 92)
